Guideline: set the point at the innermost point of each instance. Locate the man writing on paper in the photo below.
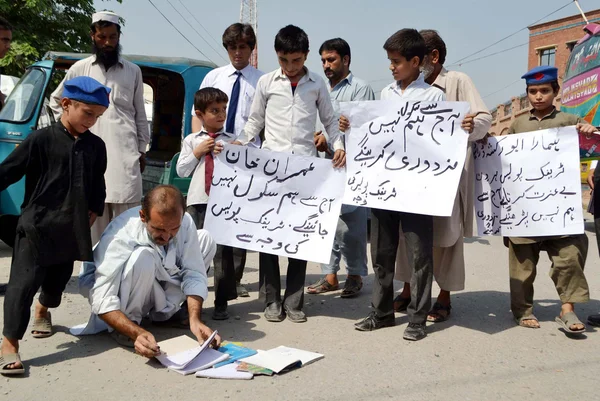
(147, 263)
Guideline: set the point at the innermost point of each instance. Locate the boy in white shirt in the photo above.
(238, 80)
(196, 158)
(285, 105)
(406, 50)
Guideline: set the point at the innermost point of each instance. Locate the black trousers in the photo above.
(26, 277)
(385, 232)
(270, 281)
(224, 274)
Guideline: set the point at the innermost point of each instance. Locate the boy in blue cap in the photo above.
(64, 167)
(568, 252)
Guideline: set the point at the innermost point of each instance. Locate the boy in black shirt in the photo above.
(64, 167)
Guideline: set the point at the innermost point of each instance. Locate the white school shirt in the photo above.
(123, 127)
(224, 78)
(416, 90)
(188, 165)
(289, 119)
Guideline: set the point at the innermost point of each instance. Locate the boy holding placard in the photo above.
(196, 160)
(285, 105)
(568, 252)
(406, 50)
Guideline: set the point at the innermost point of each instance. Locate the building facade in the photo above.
(550, 43)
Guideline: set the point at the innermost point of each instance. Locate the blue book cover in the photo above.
(235, 352)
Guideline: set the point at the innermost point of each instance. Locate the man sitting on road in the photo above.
(147, 263)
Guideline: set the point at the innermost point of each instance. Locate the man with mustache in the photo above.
(351, 234)
(123, 127)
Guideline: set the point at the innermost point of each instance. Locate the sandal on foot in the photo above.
(528, 317)
(434, 314)
(569, 319)
(400, 304)
(351, 288)
(322, 286)
(122, 339)
(9, 359)
(42, 327)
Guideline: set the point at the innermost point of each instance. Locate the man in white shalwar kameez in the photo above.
(147, 263)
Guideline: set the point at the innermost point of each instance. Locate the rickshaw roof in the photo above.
(176, 64)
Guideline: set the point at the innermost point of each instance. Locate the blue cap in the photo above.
(87, 90)
(541, 75)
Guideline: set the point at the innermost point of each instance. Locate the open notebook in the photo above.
(282, 358)
(183, 354)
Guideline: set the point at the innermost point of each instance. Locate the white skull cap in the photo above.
(105, 16)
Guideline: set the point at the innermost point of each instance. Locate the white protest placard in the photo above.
(529, 184)
(275, 203)
(405, 155)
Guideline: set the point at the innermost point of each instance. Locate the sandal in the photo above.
(434, 314)
(122, 339)
(569, 319)
(401, 304)
(9, 359)
(351, 288)
(322, 286)
(528, 317)
(43, 327)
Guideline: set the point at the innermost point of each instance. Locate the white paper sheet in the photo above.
(225, 372)
(207, 358)
(529, 184)
(404, 155)
(179, 352)
(275, 203)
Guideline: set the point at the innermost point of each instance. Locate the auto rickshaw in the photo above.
(173, 82)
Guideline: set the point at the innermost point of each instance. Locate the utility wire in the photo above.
(182, 35)
(489, 55)
(195, 30)
(219, 44)
(511, 35)
(500, 90)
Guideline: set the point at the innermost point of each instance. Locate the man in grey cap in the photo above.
(123, 127)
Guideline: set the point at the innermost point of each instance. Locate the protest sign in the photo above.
(275, 203)
(528, 184)
(405, 155)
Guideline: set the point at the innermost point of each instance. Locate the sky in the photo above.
(466, 26)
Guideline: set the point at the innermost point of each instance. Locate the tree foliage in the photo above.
(43, 25)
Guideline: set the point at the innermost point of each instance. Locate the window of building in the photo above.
(547, 56)
(571, 45)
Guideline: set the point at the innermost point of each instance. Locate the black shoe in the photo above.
(274, 312)
(295, 315)
(415, 332)
(3, 289)
(220, 312)
(594, 320)
(374, 322)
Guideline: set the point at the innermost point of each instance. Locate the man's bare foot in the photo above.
(531, 323)
(569, 307)
(405, 291)
(40, 312)
(10, 346)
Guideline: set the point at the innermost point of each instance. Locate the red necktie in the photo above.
(209, 166)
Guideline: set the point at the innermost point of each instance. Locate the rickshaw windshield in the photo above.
(22, 101)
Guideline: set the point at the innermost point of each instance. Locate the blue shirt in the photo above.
(347, 90)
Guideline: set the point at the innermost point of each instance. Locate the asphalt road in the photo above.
(479, 354)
